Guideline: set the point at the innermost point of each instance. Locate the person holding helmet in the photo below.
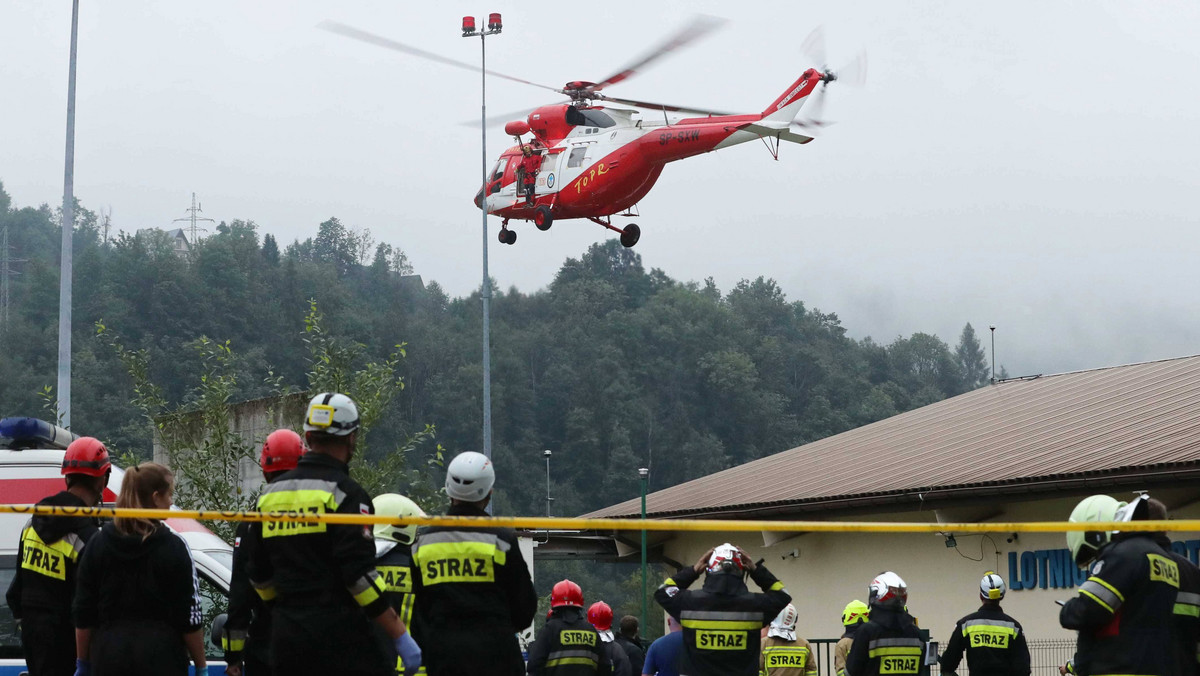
(321, 576)
(1124, 610)
(43, 585)
(568, 645)
(889, 642)
(600, 616)
(853, 616)
(993, 642)
(393, 560)
(246, 636)
(473, 589)
(721, 622)
(784, 653)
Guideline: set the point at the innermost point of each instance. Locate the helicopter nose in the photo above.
(479, 198)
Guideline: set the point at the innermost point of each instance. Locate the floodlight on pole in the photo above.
(469, 31)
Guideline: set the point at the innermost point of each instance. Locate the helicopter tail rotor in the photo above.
(853, 74)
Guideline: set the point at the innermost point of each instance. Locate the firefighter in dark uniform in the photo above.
(246, 636)
(43, 585)
(393, 561)
(890, 642)
(993, 641)
(854, 615)
(568, 645)
(474, 592)
(1187, 601)
(722, 621)
(1124, 612)
(322, 576)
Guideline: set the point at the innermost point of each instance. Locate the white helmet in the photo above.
(1084, 545)
(888, 590)
(393, 504)
(991, 587)
(725, 559)
(331, 413)
(470, 477)
(784, 624)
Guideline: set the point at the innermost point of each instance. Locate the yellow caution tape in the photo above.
(547, 523)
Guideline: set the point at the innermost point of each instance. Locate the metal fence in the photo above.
(1045, 655)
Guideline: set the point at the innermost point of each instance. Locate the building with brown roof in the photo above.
(1025, 449)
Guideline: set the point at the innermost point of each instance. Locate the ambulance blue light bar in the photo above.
(19, 433)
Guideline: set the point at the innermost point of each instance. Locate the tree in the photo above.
(270, 250)
(971, 359)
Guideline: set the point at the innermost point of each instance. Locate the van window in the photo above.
(10, 638)
(213, 602)
(576, 158)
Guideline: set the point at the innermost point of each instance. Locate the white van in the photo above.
(31, 455)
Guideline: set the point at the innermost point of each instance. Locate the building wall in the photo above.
(824, 571)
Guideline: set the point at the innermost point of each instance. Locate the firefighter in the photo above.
(600, 616)
(889, 642)
(721, 622)
(853, 616)
(1124, 610)
(784, 653)
(531, 162)
(246, 636)
(1187, 601)
(474, 592)
(393, 560)
(321, 575)
(568, 645)
(993, 641)
(43, 584)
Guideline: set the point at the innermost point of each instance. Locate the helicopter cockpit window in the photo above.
(597, 118)
(576, 158)
(499, 170)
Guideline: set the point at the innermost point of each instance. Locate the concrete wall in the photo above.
(824, 571)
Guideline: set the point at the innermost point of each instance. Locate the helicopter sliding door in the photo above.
(548, 179)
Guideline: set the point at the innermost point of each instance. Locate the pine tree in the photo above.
(971, 359)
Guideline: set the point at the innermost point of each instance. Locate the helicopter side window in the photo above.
(597, 118)
(576, 158)
(499, 170)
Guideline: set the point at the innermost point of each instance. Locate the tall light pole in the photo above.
(68, 228)
(993, 329)
(468, 31)
(643, 475)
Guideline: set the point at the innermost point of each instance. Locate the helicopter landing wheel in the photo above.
(542, 218)
(508, 236)
(630, 235)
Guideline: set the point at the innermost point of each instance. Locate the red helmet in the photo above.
(566, 593)
(86, 455)
(281, 451)
(600, 616)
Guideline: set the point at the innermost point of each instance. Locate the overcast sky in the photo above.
(1031, 165)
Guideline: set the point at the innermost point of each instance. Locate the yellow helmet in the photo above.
(856, 612)
(392, 504)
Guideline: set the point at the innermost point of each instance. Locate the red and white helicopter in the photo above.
(598, 161)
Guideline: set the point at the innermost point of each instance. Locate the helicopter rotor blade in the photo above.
(387, 43)
(814, 118)
(854, 73)
(650, 105)
(813, 47)
(698, 27)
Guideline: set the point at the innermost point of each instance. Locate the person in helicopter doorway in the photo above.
(531, 162)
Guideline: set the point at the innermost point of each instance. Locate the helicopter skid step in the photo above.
(606, 223)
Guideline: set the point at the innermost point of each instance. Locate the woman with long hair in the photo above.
(137, 606)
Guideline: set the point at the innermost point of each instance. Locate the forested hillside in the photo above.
(612, 367)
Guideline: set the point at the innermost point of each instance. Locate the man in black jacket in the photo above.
(628, 639)
(890, 642)
(473, 589)
(1187, 601)
(43, 586)
(993, 642)
(569, 644)
(1124, 611)
(322, 576)
(722, 621)
(246, 636)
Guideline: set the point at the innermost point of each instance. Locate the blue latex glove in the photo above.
(409, 652)
(82, 667)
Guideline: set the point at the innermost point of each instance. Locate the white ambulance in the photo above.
(31, 455)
